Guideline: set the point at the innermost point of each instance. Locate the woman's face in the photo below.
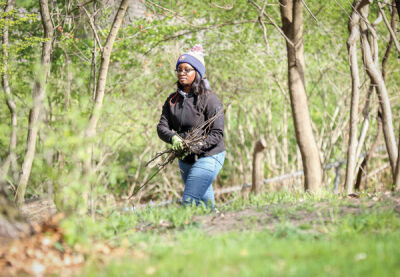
(186, 74)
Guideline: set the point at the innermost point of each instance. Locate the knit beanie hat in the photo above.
(195, 58)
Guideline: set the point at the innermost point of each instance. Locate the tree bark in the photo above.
(393, 25)
(363, 170)
(292, 21)
(67, 98)
(12, 223)
(258, 169)
(397, 7)
(376, 78)
(373, 42)
(100, 88)
(396, 183)
(354, 31)
(11, 158)
(39, 94)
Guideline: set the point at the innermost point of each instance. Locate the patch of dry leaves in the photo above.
(46, 252)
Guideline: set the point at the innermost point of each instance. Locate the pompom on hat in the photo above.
(195, 58)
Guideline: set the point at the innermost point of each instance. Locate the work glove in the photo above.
(197, 148)
(177, 143)
(177, 146)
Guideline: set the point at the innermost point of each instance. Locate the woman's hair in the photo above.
(200, 89)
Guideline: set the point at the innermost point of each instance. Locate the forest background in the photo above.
(246, 67)
(92, 91)
(249, 76)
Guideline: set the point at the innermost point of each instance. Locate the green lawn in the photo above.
(259, 254)
(344, 238)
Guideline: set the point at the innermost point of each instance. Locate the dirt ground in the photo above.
(256, 218)
(299, 214)
(309, 217)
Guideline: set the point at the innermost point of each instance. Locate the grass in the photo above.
(259, 254)
(334, 241)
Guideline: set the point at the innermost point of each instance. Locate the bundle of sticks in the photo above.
(193, 137)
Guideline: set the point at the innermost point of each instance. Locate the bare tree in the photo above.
(11, 158)
(101, 85)
(96, 40)
(359, 26)
(354, 36)
(377, 78)
(396, 183)
(39, 94)
(292, 21)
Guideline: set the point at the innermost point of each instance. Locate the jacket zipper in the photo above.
(180, 123)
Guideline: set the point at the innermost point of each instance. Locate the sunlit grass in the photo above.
(259, 254)
(304, 239)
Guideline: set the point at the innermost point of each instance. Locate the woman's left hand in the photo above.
(197, 148)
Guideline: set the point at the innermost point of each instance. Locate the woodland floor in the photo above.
(308, 218)
(253, 218)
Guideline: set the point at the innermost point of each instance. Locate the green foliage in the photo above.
(251, 83)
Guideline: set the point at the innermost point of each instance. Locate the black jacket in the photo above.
(180, 116)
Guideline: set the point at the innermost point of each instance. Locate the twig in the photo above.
(309, 11)
(227, 8)
(202, 28)
(94, 29)
(157, 156)
(263, 27)
(81, 5)
(170, 11)
(170, 159)
(273, 23)
(392, 33)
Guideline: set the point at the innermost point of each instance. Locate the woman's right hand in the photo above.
(177, 143)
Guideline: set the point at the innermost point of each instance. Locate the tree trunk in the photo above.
(12, 223)
(376, 78)
(39, 94)
(94, 54)
(363, 170)
(292, 20)
(67, 98)
(11, 158)
(258, 168)
(354, 31)
(393, 25)
(396, 183)
(100, 88)
(364, 165)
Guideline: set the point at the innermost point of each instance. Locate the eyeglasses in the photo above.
(184, 71)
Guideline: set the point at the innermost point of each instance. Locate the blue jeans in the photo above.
(198, 178)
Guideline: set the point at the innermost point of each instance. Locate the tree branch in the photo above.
(309, 11)
(392, 33)
(273, 23)
(203, 28)
(170, 11)
(93, 28)
(263, 27)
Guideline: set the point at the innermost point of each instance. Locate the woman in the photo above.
(184, 110)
